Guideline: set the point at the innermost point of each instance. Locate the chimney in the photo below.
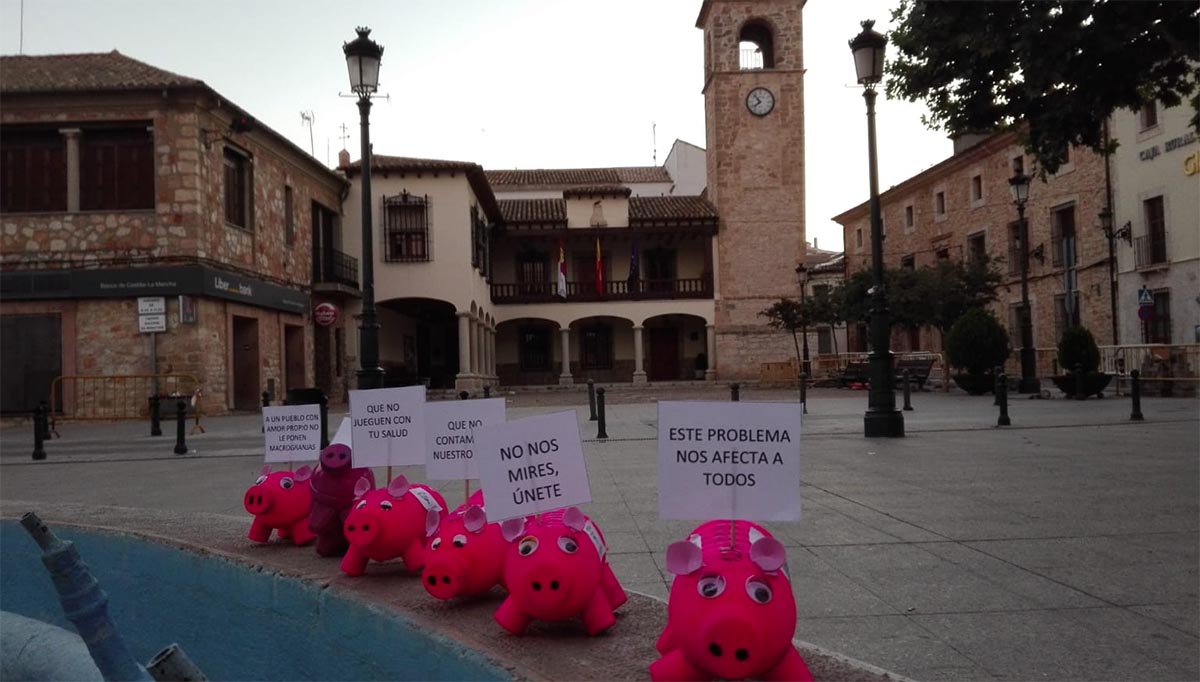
(343, 160)
(815, 247)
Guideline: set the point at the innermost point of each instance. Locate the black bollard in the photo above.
(1079, 394)
(735, 392)
(180, 419)
(324, 402)
(997, 372)
(463, 395)
(39, 432)
(45, 420)
(155, 416)
(600, 430)
(804, 391)
(1135, 392)
(1002, 397)
(487, 391)
(592, 400)
(907, 391)
(266, 402)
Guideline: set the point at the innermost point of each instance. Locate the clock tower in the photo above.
(754, 120)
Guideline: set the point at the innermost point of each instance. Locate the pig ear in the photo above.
(768, 553)
(432, 520)
(266, 470)
(512, 529)
(684, 558)
(475, 519)
(398, 486)
(574, 519)
(302, 474)
(362, 487)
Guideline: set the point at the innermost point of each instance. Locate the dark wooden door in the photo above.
(664, 354)
(245, 364)
(660, 270)
(30, 361)
(293, 356)
(323, 358)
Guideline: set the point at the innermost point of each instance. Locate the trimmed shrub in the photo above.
(977, 342)
(1078, 347)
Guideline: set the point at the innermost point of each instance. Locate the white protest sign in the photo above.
(531, 465)
(343, 434)
(726, 460)
(448, 424)
(388, 426)
(292, 433)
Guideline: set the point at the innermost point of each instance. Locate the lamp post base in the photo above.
(1030, 385)
(370, 378)
(883, 424)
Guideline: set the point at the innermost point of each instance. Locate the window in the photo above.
(1158, 329)
(289, 216)
(755, 46)
(585, 271)
(1018, 164)
(824, 341)
(1066, 314)
(1062, 236)
(942, 253)
(858, 238)
(1151, 248)
(1014, 247)
(406, 228)
(908, 262)
(909, 219)
(533, 273)
(1014, 325)
(1148, 115)
(820, 290)
(480, 243)
(976, 188)
(595, 347)
(534, 348)
(339, 349)
(238, 189)
(116, 169)
(939, 204)
(33, 171)
(977, 248)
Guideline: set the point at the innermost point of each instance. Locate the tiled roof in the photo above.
(645, 209)
(84, 73)
(577, 176)
(533, 210)
(597, 190)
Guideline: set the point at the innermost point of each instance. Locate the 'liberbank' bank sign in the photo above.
(198, 280)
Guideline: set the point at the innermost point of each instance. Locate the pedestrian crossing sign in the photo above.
(1145, 297)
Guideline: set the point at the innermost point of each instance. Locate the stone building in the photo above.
(962, 208)
(121, 181)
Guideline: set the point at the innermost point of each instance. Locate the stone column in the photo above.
(639, 369)
(480, 351)
(71, 135)
(464, 350)
(710, 336)
(491, 346)
(565, 378)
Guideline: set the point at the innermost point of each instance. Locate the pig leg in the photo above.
(790, 667)
(511, 617)
(259, 531)
(612, 587)
(665, 641)
(674, 666)
(414, 558)
(300, 533)
(598, 614)
(285, 532)
(355, 561)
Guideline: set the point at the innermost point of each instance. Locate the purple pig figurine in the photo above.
(333, 486)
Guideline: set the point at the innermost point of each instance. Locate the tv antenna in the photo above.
(306, 119)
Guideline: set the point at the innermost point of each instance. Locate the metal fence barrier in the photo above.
(117, 397)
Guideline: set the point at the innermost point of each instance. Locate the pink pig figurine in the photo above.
(556, 569)
(731, 613)
(390, 522)
(466, 553)
(280, 501)
(333, 485)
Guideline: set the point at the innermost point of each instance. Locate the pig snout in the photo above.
(258, 500)
(547, 586)
(729, 646)
(362, 529)
(336, 459)
(444, 577)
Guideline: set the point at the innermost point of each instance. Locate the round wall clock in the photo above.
(760, 101)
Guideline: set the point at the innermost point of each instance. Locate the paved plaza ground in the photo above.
(1063, 547)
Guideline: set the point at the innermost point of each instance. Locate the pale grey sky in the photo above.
(504, 83)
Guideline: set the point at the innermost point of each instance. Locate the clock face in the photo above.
(760, 101)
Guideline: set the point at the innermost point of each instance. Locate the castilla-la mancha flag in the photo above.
(562, 270)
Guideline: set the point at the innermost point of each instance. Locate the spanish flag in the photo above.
(599, 269)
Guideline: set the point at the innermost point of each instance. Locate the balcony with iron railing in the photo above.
(331, 266)
(1150, 250)
(616, 290)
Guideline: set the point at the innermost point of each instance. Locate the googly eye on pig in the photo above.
(280, 502)
(557, 569)
(391, 522)
(466, 554)
(333, 485)
(731, 613)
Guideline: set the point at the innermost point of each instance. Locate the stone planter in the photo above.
(1094, 383)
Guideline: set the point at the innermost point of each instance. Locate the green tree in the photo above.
(930, 296)
(1061, 67)
(790, 315)
(825, 307)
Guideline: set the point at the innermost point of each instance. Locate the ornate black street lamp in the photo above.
(362, 58)
(802, 273)
(882, 417)
(1019, 184)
